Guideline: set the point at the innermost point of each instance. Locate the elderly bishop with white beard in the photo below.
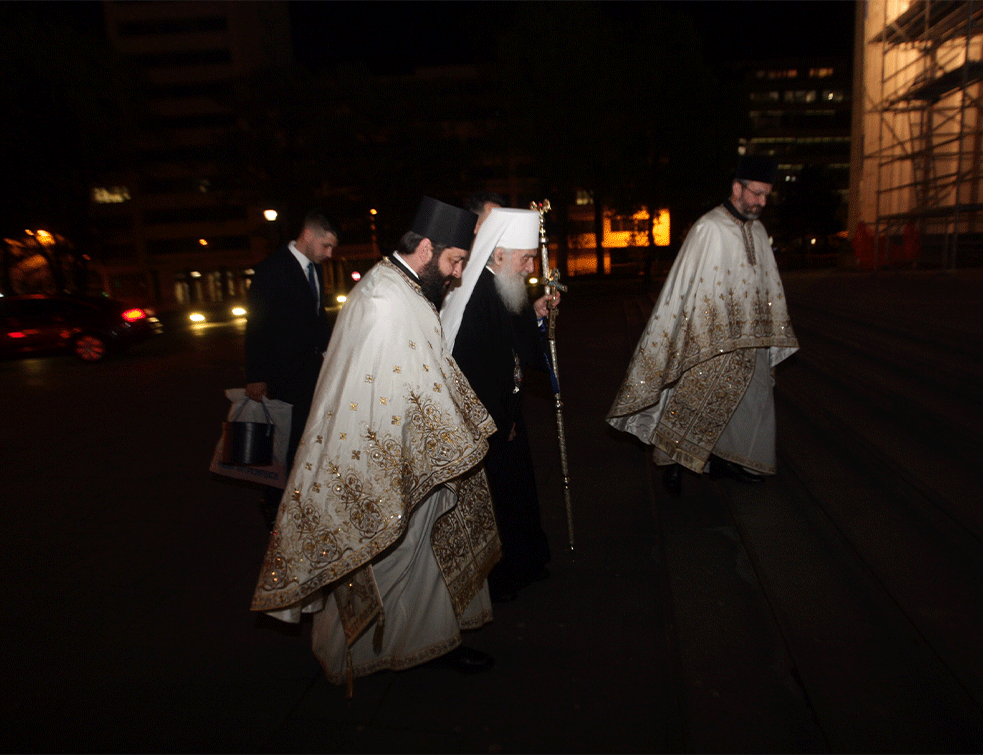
(491, 327)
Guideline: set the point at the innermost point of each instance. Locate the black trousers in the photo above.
(300, 399)
(525, 549)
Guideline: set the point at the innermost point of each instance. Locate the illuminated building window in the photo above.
(820, 73)
(789, 73)
(584, 197)
(765, 96)
(800, 95)
(630, 224)
(833, 95)
(110, 194)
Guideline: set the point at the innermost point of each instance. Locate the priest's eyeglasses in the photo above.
(758, 194)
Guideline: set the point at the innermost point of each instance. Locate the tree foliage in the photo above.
(71, 105)
(351, 141)
(621, 105)
(809, 207)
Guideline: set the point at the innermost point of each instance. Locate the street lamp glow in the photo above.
(203, 242)
(373, 212)
(270, 215)
(341, 298)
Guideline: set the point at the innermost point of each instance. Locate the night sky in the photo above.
(395, 36)
(392, 36)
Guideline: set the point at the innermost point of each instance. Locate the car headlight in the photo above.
(239, 311)
(196, 317)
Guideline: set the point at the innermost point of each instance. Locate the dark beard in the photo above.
(433, 283)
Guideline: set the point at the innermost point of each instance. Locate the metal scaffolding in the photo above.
(922, 130)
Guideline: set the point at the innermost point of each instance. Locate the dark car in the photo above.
(90, 327)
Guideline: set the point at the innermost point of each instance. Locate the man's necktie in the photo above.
(312, 280)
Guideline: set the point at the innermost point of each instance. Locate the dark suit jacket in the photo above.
(286, 333)
(487, 343)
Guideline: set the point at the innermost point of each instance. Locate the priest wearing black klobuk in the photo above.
(491, 327)
(699, 388)
(386, 532)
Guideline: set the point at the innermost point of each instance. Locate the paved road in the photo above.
(836, 608)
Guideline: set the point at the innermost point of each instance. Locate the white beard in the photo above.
(512, 290)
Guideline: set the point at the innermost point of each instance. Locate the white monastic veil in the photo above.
(505, 227)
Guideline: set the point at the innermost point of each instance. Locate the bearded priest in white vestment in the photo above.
(386, 530)
(700, 383)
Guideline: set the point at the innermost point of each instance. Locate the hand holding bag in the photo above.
(248, 443)
(246, 411)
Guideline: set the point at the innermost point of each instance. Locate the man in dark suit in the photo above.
(288, 330)
(483, 203)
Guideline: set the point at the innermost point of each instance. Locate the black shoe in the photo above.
(672, 480)
(464, 660)
(723, 468)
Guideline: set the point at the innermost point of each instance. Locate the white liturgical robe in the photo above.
(699, 380)
(385, 531)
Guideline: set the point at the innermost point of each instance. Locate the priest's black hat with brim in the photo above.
(756, 168)
(444, 224)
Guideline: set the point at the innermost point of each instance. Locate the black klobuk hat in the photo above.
(444, 224)
(756, 168)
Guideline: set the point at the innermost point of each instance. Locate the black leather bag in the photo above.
(248, 443)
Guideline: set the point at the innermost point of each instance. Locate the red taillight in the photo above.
(17, 334)
(132, 315)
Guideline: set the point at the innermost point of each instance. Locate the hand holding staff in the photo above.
(551, 282)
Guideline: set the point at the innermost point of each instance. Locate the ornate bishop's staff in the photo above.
(551, 282)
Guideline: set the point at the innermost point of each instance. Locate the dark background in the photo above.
(394, 36)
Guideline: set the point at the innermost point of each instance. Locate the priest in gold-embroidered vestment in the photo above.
(386, 531)
(700, 382)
